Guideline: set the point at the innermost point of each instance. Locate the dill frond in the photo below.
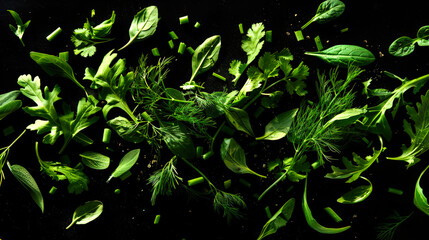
(164, 180)
(386, 230)
(229, 205)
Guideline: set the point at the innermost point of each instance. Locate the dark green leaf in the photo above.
(8, 104)
(278, 220)
(205, 56)
(420, 199)
(344, 55)
(279, 127)
(402, 46)
(327, 11)
(95, 160)
(127, 130)
(25, 178)
(423, 35)
(179, 141)
(86, 213)
(239, 119)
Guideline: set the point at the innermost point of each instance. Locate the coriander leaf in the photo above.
(255, 78)
(87, 51)
(252, 44)
(236, 68)
(20, 26)
(8, 103)
(268, 64)
(278, 220)
(86, 213)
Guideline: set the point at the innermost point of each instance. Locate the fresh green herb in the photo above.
(227, 184)
(357, 194)
(117, 191)
(86, 213)
(318, 42)
(326, 12)
(64, 56)
(171, 44)
(298, 35)
(387, 230)
(184, 20)
(126, 163)
(195, 181)
(54, 34)
(4, 155)
(268, 211)
(20, 26)
(53, 190)
(218, 76)
(155, 52)
(240, 28)
(164, 180)
(107, 133)
(404, 46)
(157, 218)
(278, 220)
(197, 25)
(144, 25)
(269, 36)
(420, 200)
(173, 35)
(95, 160)
(190, 50)
(279, 127)
(333, 214)
(344, 55)
(182, 48)
(8, 103)
(239, 119)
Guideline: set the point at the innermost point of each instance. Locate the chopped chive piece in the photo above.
(299, 36)
(269, 36)
(107, 133)
(54, 34)
(171, 44)
(268, 212)
(218, 76)
(126, 175)
(197, 25)
(245, 182)
(289, 188)
(240, 27)
(182, 47)
(318, 43)
(190, 50)
(207, 155)
(117, 191)
(227, 184)
(199, 151)
(146, 117)
(395, 191)
(110, 149)
(155, 52)
(53, 190)
(64, 56)
(173, 35)
(227, 130)
(344, 30)
(156, 221)
(316, 165)
(8, 131)
(195, 181)
(184, 20)
(258, 112)
(333, 214)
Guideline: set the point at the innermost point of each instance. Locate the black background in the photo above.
(129, 215)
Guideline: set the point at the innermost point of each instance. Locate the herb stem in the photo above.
(201, 173)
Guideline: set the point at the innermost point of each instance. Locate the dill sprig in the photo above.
(387, 230)
(229, 205)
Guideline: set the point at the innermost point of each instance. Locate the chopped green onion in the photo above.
(126, 175)
(268, 212)
(182, 47)
(395, 191)
(245, 182)
(318, 43)
(316, 165)
(197, 25)
(333, 214)
(195, 181)
(258, 112)
(92, 12)
(110, 149)
(299, 36)
(107, 133)
(171, 44)
(207, 155)
(173, 35)
(344, 30)
(227, 130)
(269, 36)
(190, 50)
(156, 221)
(117, 191)
(54, 34)
(155, 52)
(53, 190)
(184, 20)
(8, 131)
(218, 76)
(240, 27)
(227, 184)
(146, 117)
(64, 56)
(199, 151)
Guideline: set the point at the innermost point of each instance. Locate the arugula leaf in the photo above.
(20, 26)
(278, 220)
(8, 103)
(419, 136)
(114, 84)
(357, 194)
(354, 171)
(86, 213)
(420, 200)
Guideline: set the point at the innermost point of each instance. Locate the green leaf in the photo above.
(95, 160)
(234, 158)
(423, 35)
(86, 213)
(126, 163)
(255, 77)
(402, 46)
(175, 94)
(344, 55)
(312, 222)
(239, 119)
(272, 100)
(8, 104)
(55, 66)
(20, 26)
(236, 68)
(253, 42)
(279, 127)
(178, 141)
(347, 117)
(144, 25)
(420, 200)
(327, 11)
(357, 194)
(205, 56)
(278, 220)
(127, 130)
(352, 171)
(25, 178)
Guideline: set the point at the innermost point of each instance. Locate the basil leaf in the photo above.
(239, 119)
(234, 158)
(344, 55)
(86, 213)
(25, 178)
(357, 194)
(278, 220)
(8, 104)
(126, 163)
(402, 46)
(278, 127)
(205, 56)
(420, 199)
(127, 130)
(143, 25)
(327, 11)
(95, 160)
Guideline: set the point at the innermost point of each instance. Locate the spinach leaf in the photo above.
(344, 55)
(420, 200)
(126, 163)
(312, 222)
(55, 66)
(239, 119)
(279, 127)
(25, 178)
(419, 136)
(95, 160)
(404, 45)
(86, 213)
(423, 36)
(234, 158)
(357, 194)
(327, 11)
(20, 26)
(8, 103)
(278, 220)
(144, 25)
